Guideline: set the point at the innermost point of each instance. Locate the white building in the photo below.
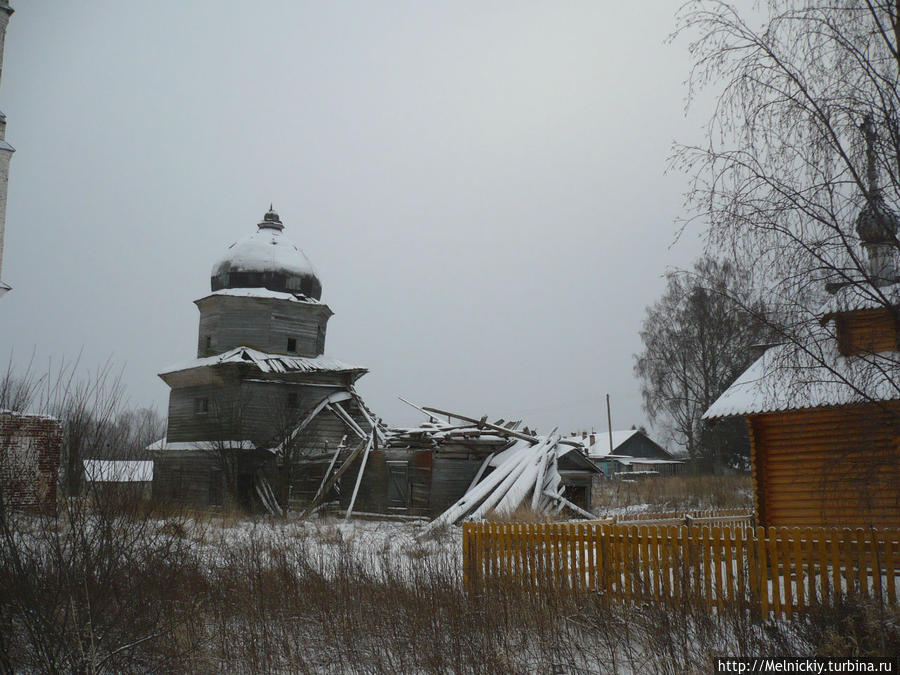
(6, 150)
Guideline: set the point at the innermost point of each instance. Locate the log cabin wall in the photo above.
(220, 421)
(867, 331)
(827, 467)
(265, 324)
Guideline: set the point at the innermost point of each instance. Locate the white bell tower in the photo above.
(6, 150)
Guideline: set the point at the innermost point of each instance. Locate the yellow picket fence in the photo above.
(780, 570)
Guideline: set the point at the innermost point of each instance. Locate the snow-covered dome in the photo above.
(267, 259)
(877, 223)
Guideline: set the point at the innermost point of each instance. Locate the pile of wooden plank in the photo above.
(525, 472)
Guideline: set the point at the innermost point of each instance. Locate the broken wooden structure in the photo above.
(263, 418)
(261, 398)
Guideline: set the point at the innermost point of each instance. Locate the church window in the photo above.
(201, 406)
(208, 342)
(292, 344)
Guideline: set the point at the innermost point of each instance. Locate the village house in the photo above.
(824, 414)
(627, 451)
(127, 480)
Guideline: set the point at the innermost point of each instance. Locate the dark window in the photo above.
(201, 406)
(208, 343)
(292, 400)
(292, 344)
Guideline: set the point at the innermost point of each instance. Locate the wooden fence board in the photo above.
(890, 570)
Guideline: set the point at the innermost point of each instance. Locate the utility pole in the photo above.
(609, 424)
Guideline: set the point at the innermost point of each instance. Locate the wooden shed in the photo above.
(824, 417)
(118, 479)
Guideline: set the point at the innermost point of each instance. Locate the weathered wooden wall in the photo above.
(828, 467)
(247, 404)
(450, 477)
(188, 478)
(261, 323)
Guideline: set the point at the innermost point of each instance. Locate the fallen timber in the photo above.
(526, 472)
(451, 468)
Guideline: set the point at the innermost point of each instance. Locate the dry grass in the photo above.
(525, 514)
(114, 594)
(675, 493)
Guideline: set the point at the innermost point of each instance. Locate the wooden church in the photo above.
(261, 396)
(824, 416)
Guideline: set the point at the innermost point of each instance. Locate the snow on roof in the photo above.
(861, 296)
(629, 460)
(600, 448)
(262, 293)
(268, 363)
(16, 413)
(118, 470)
(267, 249)
(162, 445)
(786, 377)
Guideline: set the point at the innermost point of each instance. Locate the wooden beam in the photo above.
(539, 484)
(334, 479)
(332, 398)
(481, 423)
(365, 412)
(330, 467)
(362, 468)
(346, 419)
(562, 501)
(481, 469)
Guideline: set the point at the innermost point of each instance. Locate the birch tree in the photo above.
(803, 139)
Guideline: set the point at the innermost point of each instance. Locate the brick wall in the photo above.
(29, 460)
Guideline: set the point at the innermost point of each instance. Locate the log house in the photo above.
(824, 414)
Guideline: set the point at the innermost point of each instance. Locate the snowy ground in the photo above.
(373, 544)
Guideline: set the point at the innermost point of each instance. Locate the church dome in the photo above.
(876, 223)
(267, 259)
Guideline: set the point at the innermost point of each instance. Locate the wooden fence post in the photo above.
(760, 573)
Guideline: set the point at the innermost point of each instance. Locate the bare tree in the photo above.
(90, 582)
(133, 430)
(18, 390)
(786, 180)
(696, 340)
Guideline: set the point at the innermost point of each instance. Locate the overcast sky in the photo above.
(481, 187)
